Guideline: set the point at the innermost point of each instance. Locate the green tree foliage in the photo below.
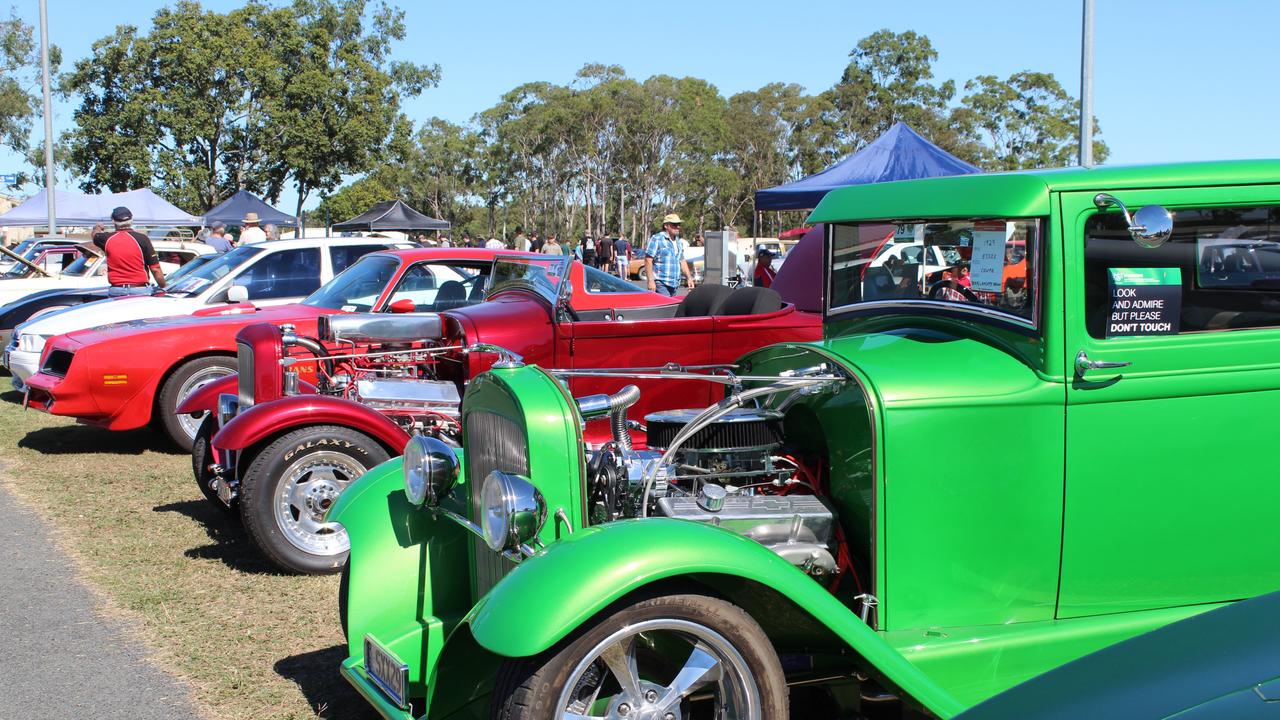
(257, 98)
(1027, 121)
(20, 95)
(353, 199)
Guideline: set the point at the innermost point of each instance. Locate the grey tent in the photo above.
(391, 215)
(79, 209)
(232, 211)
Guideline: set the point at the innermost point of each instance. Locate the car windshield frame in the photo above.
(872, 239)
(345, 279)
(546, 276)
(206, 276)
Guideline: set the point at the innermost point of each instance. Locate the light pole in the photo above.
(1086, 86)
(48, 117)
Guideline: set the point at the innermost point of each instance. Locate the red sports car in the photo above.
(286, 449)
(126, 375)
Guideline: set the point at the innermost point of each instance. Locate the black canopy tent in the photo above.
(232, 211)
(391, 215)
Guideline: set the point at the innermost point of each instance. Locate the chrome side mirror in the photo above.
(237, 294)
(1150, 227)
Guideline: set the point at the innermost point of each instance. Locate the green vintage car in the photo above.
(1057, 441)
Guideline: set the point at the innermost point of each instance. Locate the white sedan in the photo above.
(265, 273)
(82, 266)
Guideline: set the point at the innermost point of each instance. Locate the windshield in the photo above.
(358, 287)
(984, 265)
(189, 267)
(544, 276)
(81, 265)
(202, 277)
(51, 259)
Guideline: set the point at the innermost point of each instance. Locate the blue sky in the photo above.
(1174, 80)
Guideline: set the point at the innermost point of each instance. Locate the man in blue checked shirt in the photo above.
(664, 258)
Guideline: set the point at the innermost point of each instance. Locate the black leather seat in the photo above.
(751, 301)
(703, 300)
(453, 294)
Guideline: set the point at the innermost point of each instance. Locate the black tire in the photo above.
(201, 458)
(173, 392)
(298, 458)
(529, 688)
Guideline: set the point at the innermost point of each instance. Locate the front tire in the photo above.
(185, 380)
(202, 458)
(651, 656)
(289, 486)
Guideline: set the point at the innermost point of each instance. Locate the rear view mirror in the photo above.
(403, 305)
(238, 294)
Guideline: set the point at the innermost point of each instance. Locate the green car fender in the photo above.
(394, 548)
(580, 575)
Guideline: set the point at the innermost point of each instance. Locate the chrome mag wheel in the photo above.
(661, 669)
(191, 424)
(309, 486)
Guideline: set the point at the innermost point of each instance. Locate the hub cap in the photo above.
(663, 669)
(190, 425)
(307, 490)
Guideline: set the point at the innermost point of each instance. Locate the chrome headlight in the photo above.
(514, 511)
(430, 470)
(228, 406)
(31, 342)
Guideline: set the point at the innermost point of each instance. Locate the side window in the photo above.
(342, 257)
(434, 287)
(600, 282)
(1219, 271)
(283, 274)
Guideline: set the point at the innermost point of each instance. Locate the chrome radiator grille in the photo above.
(493, 442)
(244, 386)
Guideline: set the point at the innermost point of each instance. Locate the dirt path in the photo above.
(63, 659)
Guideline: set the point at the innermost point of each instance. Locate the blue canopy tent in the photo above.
(232, 211)
(75, 209)
(899, 154)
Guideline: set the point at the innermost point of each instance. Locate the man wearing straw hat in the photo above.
(664, 258)
(250, 232)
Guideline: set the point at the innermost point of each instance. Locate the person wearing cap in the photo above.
(764, 273)
(249, 230)
(218, 239)
(129, 257)
(664, 258)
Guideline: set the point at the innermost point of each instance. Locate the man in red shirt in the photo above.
(129, 257)
(764, 272)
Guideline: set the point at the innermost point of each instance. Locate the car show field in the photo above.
(250, 642)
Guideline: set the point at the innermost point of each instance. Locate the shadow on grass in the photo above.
(316, 674)
(13, 397)
(74, 439)
(230, 545)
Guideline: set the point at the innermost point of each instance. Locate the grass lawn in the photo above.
(252, 643)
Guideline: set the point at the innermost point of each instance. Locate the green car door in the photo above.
(1171, 492)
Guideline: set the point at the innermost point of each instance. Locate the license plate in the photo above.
(386, 671)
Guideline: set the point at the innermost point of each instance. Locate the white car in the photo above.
(265, 273)
(82, 266)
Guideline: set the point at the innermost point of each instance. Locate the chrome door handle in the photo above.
(1084, 364)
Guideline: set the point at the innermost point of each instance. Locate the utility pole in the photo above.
(48, 117)
(622, 211)
(1086, 86)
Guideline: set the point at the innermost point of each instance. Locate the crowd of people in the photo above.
(663, 254)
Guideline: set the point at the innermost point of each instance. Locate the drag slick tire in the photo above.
(650, 656)
(287, 487)
(189, 376)
(202, 458)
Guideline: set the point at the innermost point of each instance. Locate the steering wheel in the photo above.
(951, 290)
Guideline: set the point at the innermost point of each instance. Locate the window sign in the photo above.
(1144, 301)
(986, 269)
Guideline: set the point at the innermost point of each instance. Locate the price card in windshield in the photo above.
(1144, 301)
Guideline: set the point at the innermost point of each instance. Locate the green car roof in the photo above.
(1023, 194)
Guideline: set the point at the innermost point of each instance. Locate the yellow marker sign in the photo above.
(115, 379)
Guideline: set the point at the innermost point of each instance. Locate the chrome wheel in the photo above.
(191, 424)
(661, 669)
(305, 493)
